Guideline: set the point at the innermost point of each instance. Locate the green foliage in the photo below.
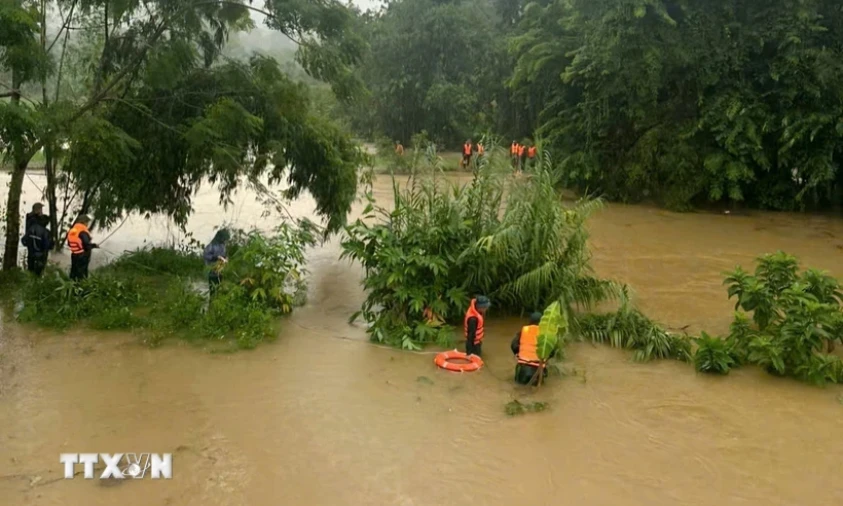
(628, 328)
(154, 292)
(437, 66)
(684, 102)
(157, 260)
(271, 269)
(138, 107)
(55, 301)
(795, 319)
(553, 323)
(713, 355)
(440, 244)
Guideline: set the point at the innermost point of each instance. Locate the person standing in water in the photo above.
(474, 325)
(81, 244)
(525, 349)
(215, 256)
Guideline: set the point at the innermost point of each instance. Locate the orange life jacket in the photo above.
(474, 313)
(74, 242)
(531, 152)
(520, 150)
(466, 149)
(399, 149)
(480, 149)
(513, 150)
(528, 344)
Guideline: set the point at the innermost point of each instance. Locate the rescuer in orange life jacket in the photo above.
(525, 349)
(466, 153)
(80, 243)
(473, 325)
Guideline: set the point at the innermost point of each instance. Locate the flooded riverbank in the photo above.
(322, 417)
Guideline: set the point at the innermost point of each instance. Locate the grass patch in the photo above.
(161, 293)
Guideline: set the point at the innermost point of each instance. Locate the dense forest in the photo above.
(682, 101)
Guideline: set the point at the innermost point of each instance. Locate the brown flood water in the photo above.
(323, 418)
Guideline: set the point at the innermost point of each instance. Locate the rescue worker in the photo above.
(480, 150)
(473, 325)
(522, 157)
(525, 349)
(466, 154)
(215, 257)
(513, 154)
(399, 148)
(531, 155)
(37, 240)
(80, 243)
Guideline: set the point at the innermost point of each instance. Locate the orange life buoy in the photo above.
(458, 361)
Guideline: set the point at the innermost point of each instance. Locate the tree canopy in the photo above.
(148, 106)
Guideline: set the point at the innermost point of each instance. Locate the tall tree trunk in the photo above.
(10, 254)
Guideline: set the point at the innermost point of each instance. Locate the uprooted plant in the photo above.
(160, 292)
(795, 319)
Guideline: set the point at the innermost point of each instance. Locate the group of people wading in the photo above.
(524, 346)
(470, 152)
(522, 155)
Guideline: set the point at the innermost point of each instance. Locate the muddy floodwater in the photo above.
(321, 417)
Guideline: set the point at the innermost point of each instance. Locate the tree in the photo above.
(435, 65)
(161, 110)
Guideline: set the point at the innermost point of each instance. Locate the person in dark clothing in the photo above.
(81, 244)
(38, 242)
(474, 325)
(215, 257)
(524, 347)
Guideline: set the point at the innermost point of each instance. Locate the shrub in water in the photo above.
(795, 319)
(440, 244)
(628, 328)
(271, 269)
(713, 355)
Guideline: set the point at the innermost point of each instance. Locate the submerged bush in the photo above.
(440, 244)
(795, 319)
(155, 292)
(713, 355)
(629, 329)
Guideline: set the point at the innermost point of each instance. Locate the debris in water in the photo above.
(425, 380)
(515, 407)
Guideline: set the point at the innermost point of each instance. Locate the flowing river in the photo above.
(321, 417)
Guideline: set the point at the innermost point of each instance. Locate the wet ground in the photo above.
(321, 417)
